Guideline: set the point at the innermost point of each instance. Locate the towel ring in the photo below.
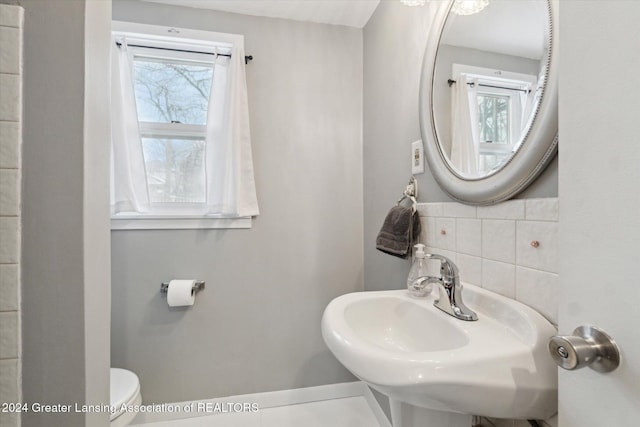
(412, 188)
(410, 193)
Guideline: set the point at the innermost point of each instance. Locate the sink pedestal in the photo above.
(406, 415)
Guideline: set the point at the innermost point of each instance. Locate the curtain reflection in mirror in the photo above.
(464, 118)
(501, 106)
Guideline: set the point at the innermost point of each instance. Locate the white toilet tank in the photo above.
(125, 389)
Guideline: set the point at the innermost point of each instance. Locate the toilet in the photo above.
(125, 389)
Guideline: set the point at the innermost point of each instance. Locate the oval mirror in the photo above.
(488, 97)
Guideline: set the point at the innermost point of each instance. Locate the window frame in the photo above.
(182, 216)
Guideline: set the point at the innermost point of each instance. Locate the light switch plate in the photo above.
(417, 157)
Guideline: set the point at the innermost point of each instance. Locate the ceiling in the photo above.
(352, 13)
(504, 26)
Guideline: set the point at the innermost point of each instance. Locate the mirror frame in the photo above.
(536, 151)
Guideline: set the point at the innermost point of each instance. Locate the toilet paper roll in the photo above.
(181, 293)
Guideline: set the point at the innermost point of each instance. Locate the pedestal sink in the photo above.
(438, 370)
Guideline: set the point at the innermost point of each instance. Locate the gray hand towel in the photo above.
(400, 229)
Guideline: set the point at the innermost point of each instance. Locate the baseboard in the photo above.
(274, 399)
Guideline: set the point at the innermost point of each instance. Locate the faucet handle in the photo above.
(447, 267)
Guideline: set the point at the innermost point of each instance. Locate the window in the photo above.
(499, 117)
(494, 117)
(172, 100)
(182, 154)
(502, 98)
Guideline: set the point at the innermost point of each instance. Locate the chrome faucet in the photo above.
(450, 300)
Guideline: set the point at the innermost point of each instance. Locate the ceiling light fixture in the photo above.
(468, 7)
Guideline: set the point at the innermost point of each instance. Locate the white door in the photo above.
(599, 191)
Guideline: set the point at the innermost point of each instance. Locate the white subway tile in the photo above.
(545, 255)
(10, 53)
(469, 236)
(446, 234)
(494, 250)
(458, 210)
(9, 192)
(9, 276)
(9, 390)
(470, 269)
(430, 209)
(424, 231)
(498, 240)
(539, 290)
(429, 224)
(512, 209)
(542, 209)
(10, 247)
(499, 277)
(10, 135)
(8, 334)
(10, 105)
(11, 16)
(9, 419)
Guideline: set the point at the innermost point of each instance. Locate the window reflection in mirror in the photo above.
(503, 52)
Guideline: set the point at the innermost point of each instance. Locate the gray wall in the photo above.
(256, 327)
(394, 42)
(65, 325)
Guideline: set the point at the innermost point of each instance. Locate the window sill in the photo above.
(132, 222)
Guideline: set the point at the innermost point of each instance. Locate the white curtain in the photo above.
(229, 165)
(129, 193)
(465, 148)
(231, 188)
(527, 101)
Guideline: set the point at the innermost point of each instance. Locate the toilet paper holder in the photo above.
(198, 285)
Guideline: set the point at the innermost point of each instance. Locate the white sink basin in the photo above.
(398, 324)
(497, 366)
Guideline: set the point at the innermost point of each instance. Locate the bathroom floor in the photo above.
(344, 412)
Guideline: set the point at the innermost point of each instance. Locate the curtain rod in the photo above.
(247, 58)
(451, 81)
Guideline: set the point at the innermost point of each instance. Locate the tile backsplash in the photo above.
(510, 248)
